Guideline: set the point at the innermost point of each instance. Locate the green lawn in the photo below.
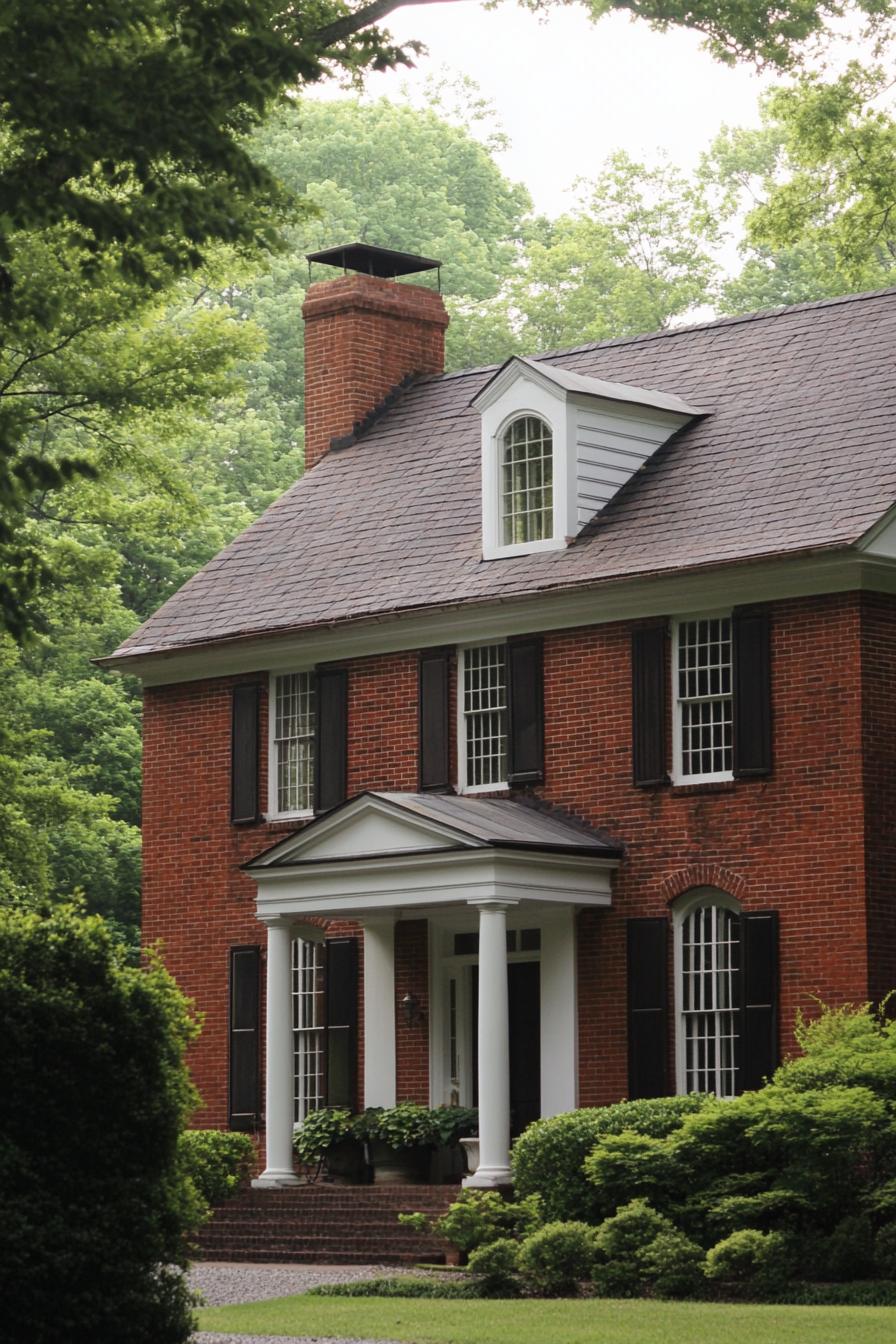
(433, 1321)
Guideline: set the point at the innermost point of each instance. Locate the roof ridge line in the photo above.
(760, 314)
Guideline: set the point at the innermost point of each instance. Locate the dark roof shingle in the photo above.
(796, 453)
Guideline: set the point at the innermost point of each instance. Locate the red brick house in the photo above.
(538, 747)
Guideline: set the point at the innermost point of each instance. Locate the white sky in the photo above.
(569, 92)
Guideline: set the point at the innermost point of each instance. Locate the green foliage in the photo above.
(319, 1131)
(548, 1157)
(95, 1093)
(632, 256)
(672, 1265)
(553, 1260)
(479, 1217)
(621, 1245)
(216, 1161)
(749, 1257)
(885, 1251)
(403, 1286)
(847, 1252)
(496, 1265)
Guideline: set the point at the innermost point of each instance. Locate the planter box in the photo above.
(399, 1166)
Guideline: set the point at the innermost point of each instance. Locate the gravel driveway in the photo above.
(224, 1284)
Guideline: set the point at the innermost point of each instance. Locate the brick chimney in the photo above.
(363, 335)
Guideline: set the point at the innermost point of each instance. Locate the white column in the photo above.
(379, 1012)
(494, 1048)
(559, 1013)
(278, 1061)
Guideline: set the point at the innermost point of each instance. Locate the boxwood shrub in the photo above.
(548, 1157)
(216, 1161)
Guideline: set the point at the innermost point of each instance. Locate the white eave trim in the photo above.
(765, 580)
(360, 887)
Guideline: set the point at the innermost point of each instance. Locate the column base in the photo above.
(275, 1180)
(489, 1178)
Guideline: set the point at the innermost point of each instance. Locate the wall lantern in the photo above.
(410, 1007)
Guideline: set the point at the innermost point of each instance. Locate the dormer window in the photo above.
(557, 446)
(527, 481)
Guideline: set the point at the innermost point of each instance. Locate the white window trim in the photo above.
(462, 786)
(678, 776)
(273, 813)
(699, 896)
(553, 413)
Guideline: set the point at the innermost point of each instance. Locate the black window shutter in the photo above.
(525, 700)
(331, 738)
(434, 766)
(752, 692)
(244, 754)
(648, 1007)
(342, 1021)
(243, 1103)
(649, 705)
(759, 998)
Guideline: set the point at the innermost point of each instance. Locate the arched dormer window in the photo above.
(527, 481)
(708, 960)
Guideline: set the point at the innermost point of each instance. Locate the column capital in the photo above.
(490, 903)
(275, 921)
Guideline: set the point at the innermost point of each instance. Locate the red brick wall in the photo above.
(879, 748)
(794, 842)
(363, 335)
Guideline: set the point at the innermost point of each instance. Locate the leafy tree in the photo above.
(631, 257)
(816, 187)
(94, 1206)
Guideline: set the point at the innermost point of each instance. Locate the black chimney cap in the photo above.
(370, 260)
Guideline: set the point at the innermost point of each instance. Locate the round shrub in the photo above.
(216, 1161)
(553, 1260)
(749, 1257)
(548, 1157)
(94, 1205)
(672, 1265)
(620, 1243)
(496, 1267)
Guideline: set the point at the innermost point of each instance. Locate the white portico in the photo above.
(491, 876)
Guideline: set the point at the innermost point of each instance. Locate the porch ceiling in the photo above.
(389, 852)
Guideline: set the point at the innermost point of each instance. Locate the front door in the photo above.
(523, 990)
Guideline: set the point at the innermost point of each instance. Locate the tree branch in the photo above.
(349, 24)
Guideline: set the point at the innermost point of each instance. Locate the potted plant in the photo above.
(326, 1138)
(398, 1140)
(450, 1159)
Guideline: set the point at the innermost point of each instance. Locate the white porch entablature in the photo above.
(384, 853)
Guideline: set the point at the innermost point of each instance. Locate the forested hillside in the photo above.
(187, 409)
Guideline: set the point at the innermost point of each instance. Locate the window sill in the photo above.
(705, 786)
(466, 791)
(287, 818)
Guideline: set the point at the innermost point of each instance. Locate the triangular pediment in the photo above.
(367, 827)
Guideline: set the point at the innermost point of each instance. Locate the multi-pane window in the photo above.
(484, 726)
(307, 1027)
(527, 494)
(293, 742)
(704, 695)
(710, 1015)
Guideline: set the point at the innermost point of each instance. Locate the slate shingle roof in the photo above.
(797, 453)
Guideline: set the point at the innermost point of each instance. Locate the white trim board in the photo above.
(596, 604)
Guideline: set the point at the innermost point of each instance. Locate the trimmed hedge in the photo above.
(548, 1159)
(216, 1161)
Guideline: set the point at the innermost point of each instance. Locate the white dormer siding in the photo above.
(602, 433)
(612, 441)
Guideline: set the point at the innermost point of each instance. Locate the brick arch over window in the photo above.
(704, 875)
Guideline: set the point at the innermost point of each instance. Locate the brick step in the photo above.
(325, 1225)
